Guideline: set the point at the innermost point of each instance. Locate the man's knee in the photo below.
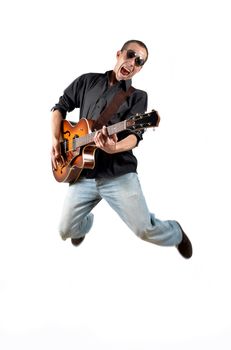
(76, 229)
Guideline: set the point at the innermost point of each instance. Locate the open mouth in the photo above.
(125, 71)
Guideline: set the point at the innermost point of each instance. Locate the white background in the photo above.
(116, 291)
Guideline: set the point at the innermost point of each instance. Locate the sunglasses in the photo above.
(139, 62)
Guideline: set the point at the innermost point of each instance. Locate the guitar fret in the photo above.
(113, 129)
(84, 140)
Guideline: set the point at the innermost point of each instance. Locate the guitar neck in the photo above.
(89, 138)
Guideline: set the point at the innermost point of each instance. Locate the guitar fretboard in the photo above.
(89, 138)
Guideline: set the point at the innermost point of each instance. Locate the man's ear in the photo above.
(118, 54)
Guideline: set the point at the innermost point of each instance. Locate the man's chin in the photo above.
(123, 77)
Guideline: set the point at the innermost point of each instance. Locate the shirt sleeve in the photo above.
(139, 102)
(70, 98)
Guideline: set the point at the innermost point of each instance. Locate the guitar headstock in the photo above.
(143, 121)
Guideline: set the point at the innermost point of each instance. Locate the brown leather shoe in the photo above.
(77, 241)
(185, 246)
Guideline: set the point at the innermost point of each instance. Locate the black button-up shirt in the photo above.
(91, 93)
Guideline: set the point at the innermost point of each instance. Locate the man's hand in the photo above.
(56, 157)
(104, 141)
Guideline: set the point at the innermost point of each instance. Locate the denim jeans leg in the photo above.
(125, 196)
(77, 219)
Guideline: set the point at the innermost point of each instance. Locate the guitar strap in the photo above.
(112, 108)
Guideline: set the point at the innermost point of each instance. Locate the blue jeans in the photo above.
(124, 195)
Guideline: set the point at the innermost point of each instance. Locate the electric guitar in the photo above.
(78, 147)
